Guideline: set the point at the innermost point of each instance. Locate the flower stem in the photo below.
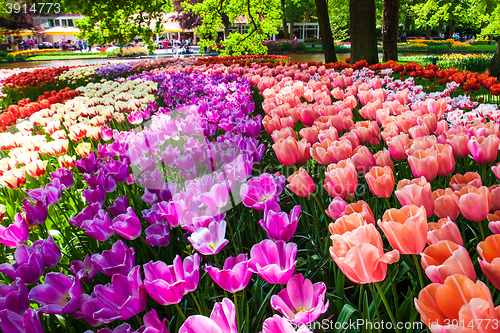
(419, 271)
(197, 303)
(180, 311)
(375, 302)
(387, 307)
(481, 229)
(237, 312)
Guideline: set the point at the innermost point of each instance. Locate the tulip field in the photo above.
(249, 194)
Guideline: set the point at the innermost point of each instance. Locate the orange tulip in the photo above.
(383, 158)
(341, 179)
(489, 251)
(444, 229)
(444, 204)
(290, 151)
(458, 300)
(424, 163)
(362, 208)
(446, 258)
(346, 223)
(470, 178)
(360, 254)
(405, 228)
(474, 203)
(301, 183)
(319, 152)
(381, 181)
(416, 192)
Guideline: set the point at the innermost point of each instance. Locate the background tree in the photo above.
(493, 28)
(325, 31)
(390, 24)
(262, 16)
(10, 20)
(187, 19)
(338, 11)
(363, 31)
(106, 21)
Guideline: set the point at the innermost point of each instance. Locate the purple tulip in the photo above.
(152, 323)
(119, 260)
(260, 190)
(273, 261)
(127, 225)
(87, 164)
(277, 324)
(158, 234)
(95, 195)
(64, 178)
(28, 265)
(234, 276)
(218, 196)
(11, 322)
(98, 226)
(16, 233)
(222, 319)
(86, 267)
(117, 169)
(87, 309)
(209, 241)
(36, 214)
(87, 213)
(301, 302)
(14, 297)
(122, 299)
(59, 294)
(152, 215)
(123, 328)
(167, 284)
(120, 206)
(279, 225)
(50, 252)
(50, 194)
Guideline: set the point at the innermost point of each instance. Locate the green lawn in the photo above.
(483, 48)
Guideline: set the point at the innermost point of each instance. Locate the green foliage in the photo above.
(262, 16)
(338, 11)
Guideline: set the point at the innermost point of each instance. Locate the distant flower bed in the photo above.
(469, 62)
(427, 45)
(22, 55)
(285, 46)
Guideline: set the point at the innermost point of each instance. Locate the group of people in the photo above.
(178, 46)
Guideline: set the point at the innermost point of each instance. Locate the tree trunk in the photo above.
(390, 23)
(283, 20)
(452, 28)
(494, 66)
(325, 31)
(363, 31)
(292, 32)
(440, 29)
(407, 22)
(226, 23)
(428, 32)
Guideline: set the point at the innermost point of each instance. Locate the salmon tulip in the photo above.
(424, 163)
(360, 207)
(458, 300)
(290, 152)
(301, 183)
(405, 228)
(416, 192)
(341, 179)
(489, 251)
(446, 258)
(360, 254)
(444, 229)
(444, 204)
(346, 223)
(474, 203)
(381, 181)
(470, 178)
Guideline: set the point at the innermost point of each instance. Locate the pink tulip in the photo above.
(444, 229)
(222, 320)
(416, 192)
(484, 150)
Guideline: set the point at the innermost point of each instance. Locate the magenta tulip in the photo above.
(273, 261)
(234, 276)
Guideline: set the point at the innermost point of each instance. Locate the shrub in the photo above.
(286, 45)
(300, 46)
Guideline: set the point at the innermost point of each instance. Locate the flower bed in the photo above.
(248, 194)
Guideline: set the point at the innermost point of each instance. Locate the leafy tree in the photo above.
(10, 20)
(263, 18)
(338, 11)
(187, 20)
(108, 21)
(493, 28)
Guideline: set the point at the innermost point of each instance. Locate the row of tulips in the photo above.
(173, 187)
